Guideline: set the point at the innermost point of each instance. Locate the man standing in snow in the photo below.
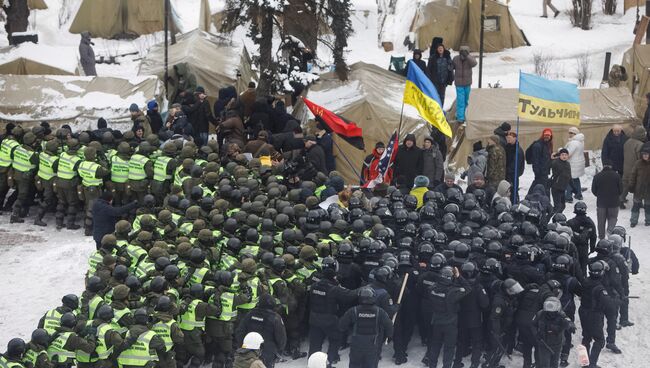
(417, 59)
(607, 186)
(87, 54)
(514, 160)
(576, 149)
(561, 176)
(613, 148)
(631, 154)
(496, 166)
(408, 164)
(539, 155)
(433, 166)
(547, 3)
(639, 186)
(463, 64)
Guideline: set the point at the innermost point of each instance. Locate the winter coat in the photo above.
(561, 174)
(639, 180)
(511, 158)
(432, 165)
(419, 62)
(463, 70)
(246, 358)
(255, 146)
(646, 121)
(180, 124)
(408, 163)
(141, 120)
(181, 80)
(632, 152)
(225, 95)
(441, 69)
(576, 148)
(286, 142)
(607, 188)
(496, 165)
(155, 121)
(541, 157)
(613, 150)
(260, 117)
(502, 191)
(501, 134)
(105, 217)
(316, 156)
(477, 163)
(247, 99)
(200, 115)
(87, 55)
(538, 194)
(327, 143)
(233, 130)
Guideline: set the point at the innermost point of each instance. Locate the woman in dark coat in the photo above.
(440, 68)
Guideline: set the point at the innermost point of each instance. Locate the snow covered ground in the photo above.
(38, 266)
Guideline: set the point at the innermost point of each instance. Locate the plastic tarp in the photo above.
(458, 22)
(215, 61)
(637, 64)
(67, 99)
(489, 107)
(32, 59)
(372, 98)
(117, 18)
(36, 4)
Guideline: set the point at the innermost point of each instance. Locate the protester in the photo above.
(496, 164)
(515, 163)
(370, 168)
(547, 3)
(613, 148)
(105, 216)
(502, 131)
(408, 164)
(139, 119)
(200, 116)
(539, 155)
(440, 67)
(417, 59)
(155, 119)
(463, 64)
(646, 117)
(576, 149)
(607, 186)
(477, 162)
(326, 141)
(631, 154)
(433, 166)
(639, 186)
(247, 99)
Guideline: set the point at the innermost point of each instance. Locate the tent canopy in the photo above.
(119, 18)
(32, 59)
(372, 98)
(66, 99)
(36, 4)
(458, 22)
(215, 61)
(489, 107)
(636, 61)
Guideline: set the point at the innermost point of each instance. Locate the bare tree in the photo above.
(580, 14)
(17, 13)
(609, 7)
(582, 68)
(544, 64)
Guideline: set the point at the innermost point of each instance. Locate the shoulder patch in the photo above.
(497, 310)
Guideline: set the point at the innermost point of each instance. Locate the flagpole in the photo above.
(399, 127)
(348, 161)
(515, 192)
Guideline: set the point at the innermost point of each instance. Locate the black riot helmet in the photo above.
(367, 296)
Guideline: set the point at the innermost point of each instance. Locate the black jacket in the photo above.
(408, 164)
(541, 158)
(561, 174)
(268, 324)
(441, 70)
(105, 216)
(613, 150)
(316, 155)
(607, 188)
(511, 153)
(200, 116)
(472, 306)
(155, 120)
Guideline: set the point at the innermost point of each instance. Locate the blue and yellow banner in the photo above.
(547, 101)
(421, 94)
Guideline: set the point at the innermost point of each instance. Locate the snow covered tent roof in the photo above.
(489, 107)
(636, 61)
(458, 22)
(66, 99)
(119, 18)
(30, 59)
(36, 4)
(372, 98)
(211, 12)
(215, 61)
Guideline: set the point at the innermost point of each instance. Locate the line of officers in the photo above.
(212, 275)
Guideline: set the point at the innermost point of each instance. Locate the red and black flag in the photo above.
(331, 122)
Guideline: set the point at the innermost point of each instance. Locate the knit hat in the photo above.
(151, 105)
(505, 126)
(548, 132)
(380, 145)
(450, 176)
(477, 146)
(421, 181)
(199, 89)
(563, 150)
(310, 137)
(134, 108)
(574, 130)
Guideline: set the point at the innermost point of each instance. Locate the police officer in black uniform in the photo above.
(265, 321)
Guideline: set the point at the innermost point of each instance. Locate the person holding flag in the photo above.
(408, 164)
(369, 170)
(381, 169)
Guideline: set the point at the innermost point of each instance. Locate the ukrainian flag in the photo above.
(421, 94)
(548, 101)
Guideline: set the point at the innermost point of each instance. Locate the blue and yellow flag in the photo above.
(547, 101)
(421, 94)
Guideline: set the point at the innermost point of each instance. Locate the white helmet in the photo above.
(317, 360)
(252, 341)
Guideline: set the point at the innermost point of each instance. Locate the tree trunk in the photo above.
(609, 7)
(340, 40)
(17, 17)
(266, 53)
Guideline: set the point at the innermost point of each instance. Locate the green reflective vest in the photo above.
(305, 273)
(198, 275)
(144, 268)
(93, 305)
(95, 259)
(102, 349)
(178, 179)
(227, 261)
(201, 162)
(139, 354)
(46, 164)
(117, 315)
(319, 190)
(110, 153)
(57, 351)
(4, 363)
(23, 159)
(136, 167)
(119, 169)
(82, 356)
(136, 254)
(88, 172)
(188, 320)
(164, 330)
(207, 192)
(80, 152)
(160, 169)
(186, 228)
(52, 321)
(228, 311)
(6, 150)
(254, 285)
(30, 357)
(67, 164)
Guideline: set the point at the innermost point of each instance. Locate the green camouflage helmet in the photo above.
(29, 138)
(120, 292)
(109, 241)
(52, 146)
(205, 235)
(122, 227)
(73, 144)
(90, 154)
(192, 213)
(123, 148)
